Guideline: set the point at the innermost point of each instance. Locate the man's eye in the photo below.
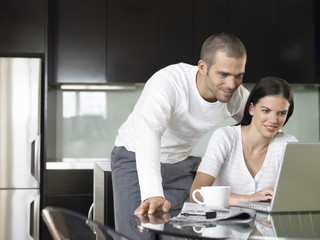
(239, 76)
(223, 74)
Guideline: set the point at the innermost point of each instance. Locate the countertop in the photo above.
(73, 163)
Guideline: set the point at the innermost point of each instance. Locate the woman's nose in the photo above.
(274, 119)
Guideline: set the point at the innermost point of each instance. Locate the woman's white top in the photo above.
(224, 161)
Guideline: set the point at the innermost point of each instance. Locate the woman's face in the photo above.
(269, 114)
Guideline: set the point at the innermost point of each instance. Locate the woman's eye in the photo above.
(265, 110)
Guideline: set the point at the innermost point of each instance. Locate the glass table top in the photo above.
(295, 225)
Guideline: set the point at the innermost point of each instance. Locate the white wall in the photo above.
(84, 124)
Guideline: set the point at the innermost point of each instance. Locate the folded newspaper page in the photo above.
(201, 213)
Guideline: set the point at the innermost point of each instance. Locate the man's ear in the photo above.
(251, 109)
(202, 66)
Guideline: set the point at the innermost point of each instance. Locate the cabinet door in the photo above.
(298, 40)
(79, 41)
(250, 21)
(132, 40)
(22, 26)
(211, 16)
(176, 32)
(256, 23)
(67, 188)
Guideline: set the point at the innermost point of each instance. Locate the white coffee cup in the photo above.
(217, 196)
(218, 231)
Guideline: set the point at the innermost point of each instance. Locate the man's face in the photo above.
(224, 77)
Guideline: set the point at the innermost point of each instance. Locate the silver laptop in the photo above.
(297, 187)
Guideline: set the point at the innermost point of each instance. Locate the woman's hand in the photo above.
(263, 195)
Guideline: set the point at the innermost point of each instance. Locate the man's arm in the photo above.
(155, 111)
(203, 179)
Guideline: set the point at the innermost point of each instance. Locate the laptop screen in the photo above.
(298, 184)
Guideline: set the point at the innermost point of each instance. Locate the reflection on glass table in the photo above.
(297, 225)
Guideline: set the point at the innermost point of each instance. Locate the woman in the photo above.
(247, 156)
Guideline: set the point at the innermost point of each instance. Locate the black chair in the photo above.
(65, 224)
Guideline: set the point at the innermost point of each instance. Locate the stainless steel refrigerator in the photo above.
(20, 100)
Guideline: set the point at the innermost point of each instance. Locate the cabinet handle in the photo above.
(35, 158)
(31, 220)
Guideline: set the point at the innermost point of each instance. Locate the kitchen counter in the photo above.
(73, 163)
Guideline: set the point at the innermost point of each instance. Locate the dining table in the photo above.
(287, 225)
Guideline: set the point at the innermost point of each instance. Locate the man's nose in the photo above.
(231, 82)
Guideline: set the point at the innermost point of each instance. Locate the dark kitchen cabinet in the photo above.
(256, 23)
(124, 41)
(176, 33)
(279, 35)
(251, 22)
(209, 17)
(78, 41)
(22, 27)
(132, 40)
(299, 47)
(68, 188)
(144, 36)
(119, 41)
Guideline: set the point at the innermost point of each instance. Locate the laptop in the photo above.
(297, 187)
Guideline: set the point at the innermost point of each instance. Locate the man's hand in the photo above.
(153, 204)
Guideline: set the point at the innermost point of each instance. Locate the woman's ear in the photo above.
(251, 109)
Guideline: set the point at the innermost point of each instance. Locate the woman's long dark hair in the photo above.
(268, 86)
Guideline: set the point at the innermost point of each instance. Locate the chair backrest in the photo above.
(65, 224)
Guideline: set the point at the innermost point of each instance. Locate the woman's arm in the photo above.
(201, 179)
(263, 195)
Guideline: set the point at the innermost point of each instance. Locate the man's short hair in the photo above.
(225, 42)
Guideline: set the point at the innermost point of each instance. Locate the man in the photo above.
(151, 163)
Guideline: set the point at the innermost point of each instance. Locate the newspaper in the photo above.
(196, 213)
